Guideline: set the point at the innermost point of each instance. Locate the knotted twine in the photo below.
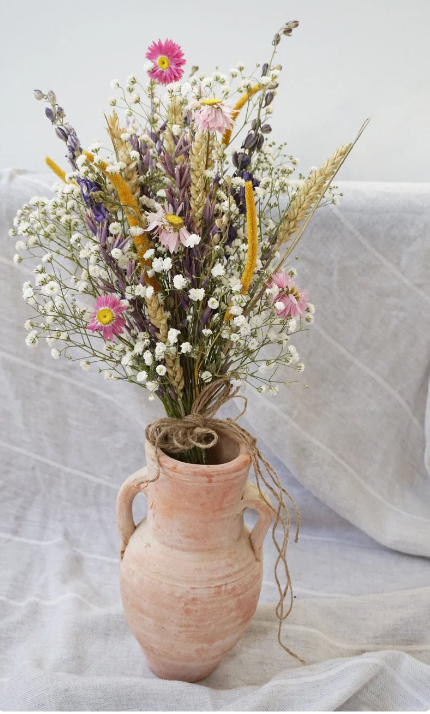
(199, 429)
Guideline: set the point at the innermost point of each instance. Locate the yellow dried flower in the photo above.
(238, 106)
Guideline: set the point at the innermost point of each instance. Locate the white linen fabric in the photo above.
(351, 448)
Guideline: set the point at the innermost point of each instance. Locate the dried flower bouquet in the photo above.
(164, 259)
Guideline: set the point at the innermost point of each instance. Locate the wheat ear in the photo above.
(201, 159)
(308, 194)
(174, 117)
(158, 318)
(123, 154)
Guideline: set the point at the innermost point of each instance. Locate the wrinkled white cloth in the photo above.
(355, 440)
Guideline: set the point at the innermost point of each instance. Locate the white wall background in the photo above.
(348, 60)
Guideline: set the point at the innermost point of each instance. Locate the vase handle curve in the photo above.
(260, 501)
(124, 513)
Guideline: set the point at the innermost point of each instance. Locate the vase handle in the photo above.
(259, 501)
(124, 513)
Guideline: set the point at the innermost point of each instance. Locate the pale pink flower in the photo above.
(168, 59)
(294, 300)
(106, 317)
(170, 227)
(213, 115)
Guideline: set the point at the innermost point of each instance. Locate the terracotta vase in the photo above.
(191, 571)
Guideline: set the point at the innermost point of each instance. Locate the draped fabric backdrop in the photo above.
(351, 448)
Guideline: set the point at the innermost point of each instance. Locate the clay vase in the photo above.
(191, 571)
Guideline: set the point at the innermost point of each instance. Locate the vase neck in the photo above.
(193, 507)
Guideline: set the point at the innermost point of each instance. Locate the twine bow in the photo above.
(200, 429)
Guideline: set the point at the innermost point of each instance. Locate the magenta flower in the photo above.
(213, 115)
(168, 59)
(170, 228)
(294, 301)
(106, 317)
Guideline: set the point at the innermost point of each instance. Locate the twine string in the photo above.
(200, 429)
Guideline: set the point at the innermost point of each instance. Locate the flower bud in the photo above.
(268, 99)
(250, 141)
(266, 129)
(50, 114)
(264, 69)
(255, 124)
(51, 97)
(38, 94)
(260, 142)
(61, 133)
(276, 40)
(60, 112)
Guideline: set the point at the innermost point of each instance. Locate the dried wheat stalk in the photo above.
(201, 156)
(158, 318)
(121, 149)
(174, 117)
(308, 193)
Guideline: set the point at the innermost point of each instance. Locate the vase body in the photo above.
(191, 572)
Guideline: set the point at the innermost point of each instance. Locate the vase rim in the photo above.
(184, 470)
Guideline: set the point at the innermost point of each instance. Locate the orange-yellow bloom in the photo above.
(56, 169)
(252, 229)
(239, 104)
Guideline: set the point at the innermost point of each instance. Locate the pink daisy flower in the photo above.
(168, 59)
(106, 317)
(213, 115)
(294, 301)
(170, 227)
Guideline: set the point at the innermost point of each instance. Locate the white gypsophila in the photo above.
(218, 270)
(149, 292)
(186, 348)
(160, 349)
(300, 367)
(206, 332)
(161, 370)
(55, 354)
(17, 259)
(152, 386)
(157, 265)
(149, 253)
(115, 228)
(85, 365)
(51, 288)
(172, 335)
(213, 303)
(31, 339)
(148, 358)
(196, 294)
(192, 240)
(206, 377)
(310, 308)
(180, 282)
(142, 376)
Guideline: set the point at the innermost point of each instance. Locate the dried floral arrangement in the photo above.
(165, 258)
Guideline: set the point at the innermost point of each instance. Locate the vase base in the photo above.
(180, 671)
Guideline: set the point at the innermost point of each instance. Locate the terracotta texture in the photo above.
(191, 572)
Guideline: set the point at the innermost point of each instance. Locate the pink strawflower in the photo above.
(213, 115)
(168, 59)
(294, 301)
(170, 228)
(106, 317)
